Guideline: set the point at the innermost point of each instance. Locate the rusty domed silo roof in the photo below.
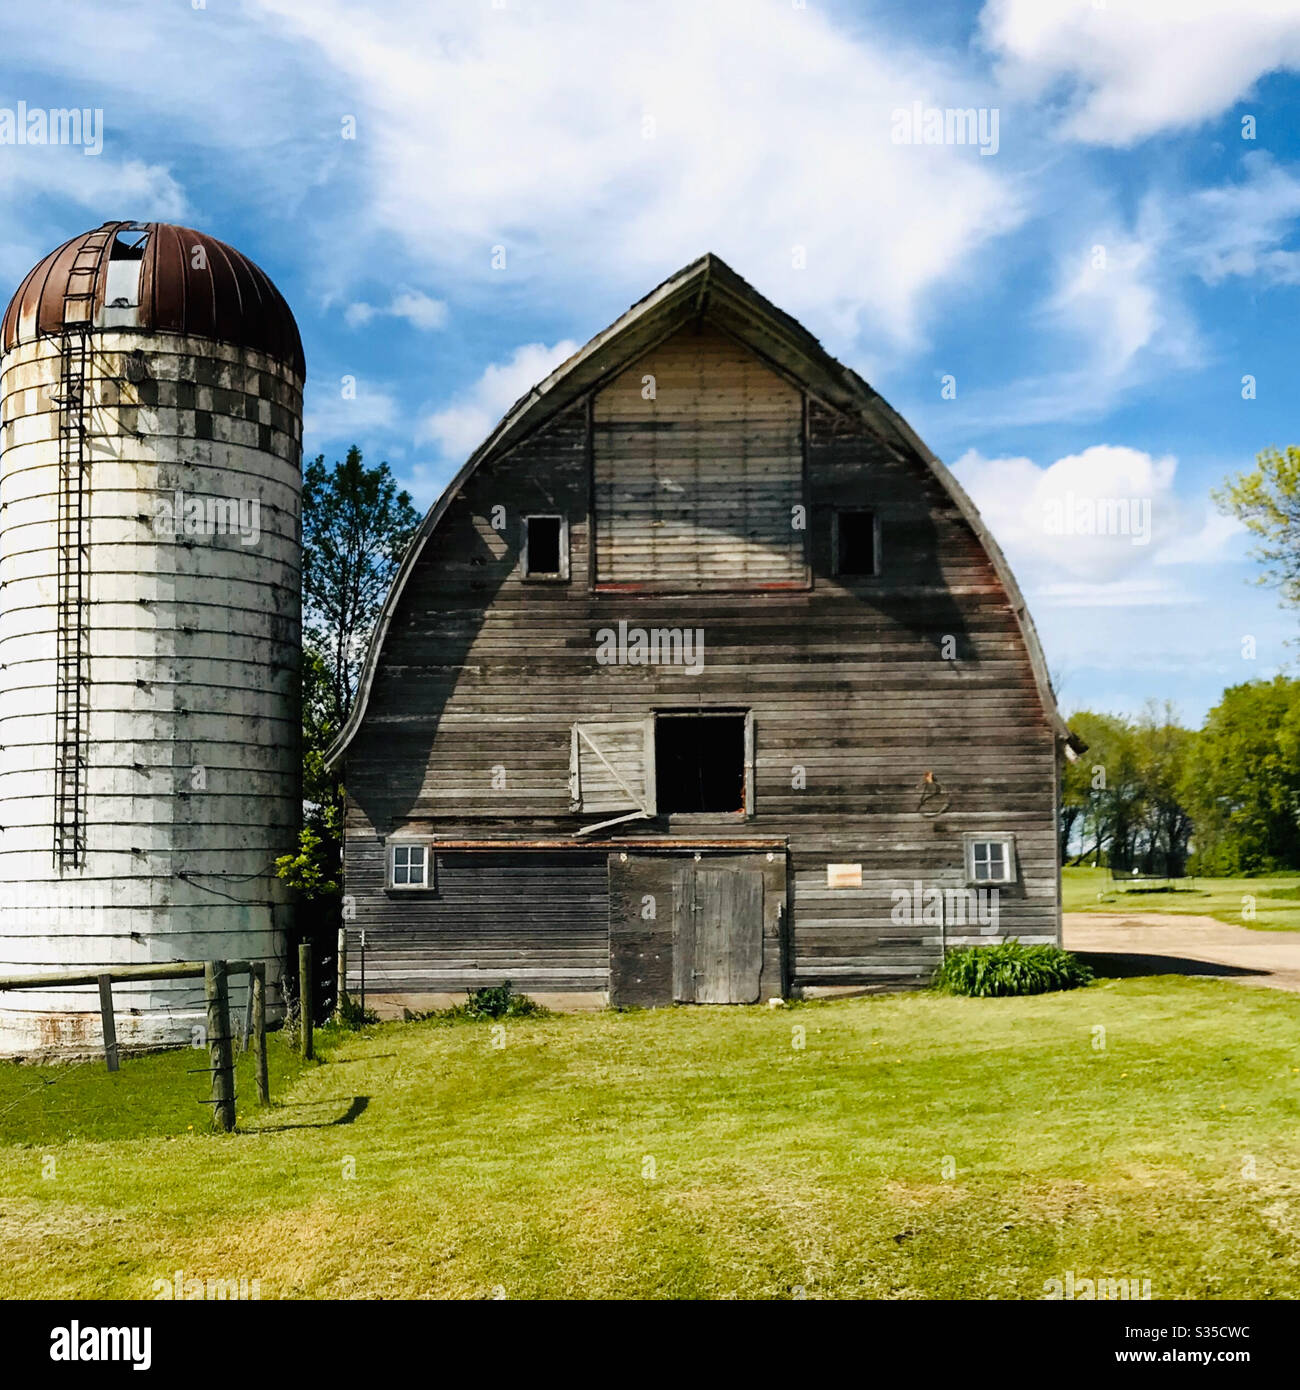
(188, 283)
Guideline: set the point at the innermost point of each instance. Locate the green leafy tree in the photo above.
(1162, 748)
(1267, 502)
(1101, 792)
(356, 526)
(1242, 783)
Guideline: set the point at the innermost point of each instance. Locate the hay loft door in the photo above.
(717, 935)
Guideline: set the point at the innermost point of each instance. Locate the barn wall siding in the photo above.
(540, 922)
(698, 464)
(467, 733)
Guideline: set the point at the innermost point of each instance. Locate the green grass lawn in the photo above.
(161, 1093)
(915, 1145)
(1275, 897)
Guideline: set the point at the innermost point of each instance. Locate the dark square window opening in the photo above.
(544, 546)
(855, 543)
(700, 763)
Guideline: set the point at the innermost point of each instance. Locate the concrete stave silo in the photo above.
(150, 393)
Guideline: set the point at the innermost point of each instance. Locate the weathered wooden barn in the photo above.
(703, 681)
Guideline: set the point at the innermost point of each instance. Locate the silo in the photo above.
(151, 408)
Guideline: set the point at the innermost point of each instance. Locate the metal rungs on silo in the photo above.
(71, 638)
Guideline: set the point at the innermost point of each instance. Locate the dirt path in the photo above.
(1161, 943)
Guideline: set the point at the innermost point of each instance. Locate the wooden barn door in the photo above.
(717, 936)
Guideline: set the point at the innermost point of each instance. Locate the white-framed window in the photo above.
(546, 547)
(408, 866)
(990, 859)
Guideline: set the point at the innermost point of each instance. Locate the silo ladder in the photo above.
(72, 675)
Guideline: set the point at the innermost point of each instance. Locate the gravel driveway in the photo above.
(1160, 943)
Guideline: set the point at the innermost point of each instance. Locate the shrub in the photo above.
(1009, 968)
(352, 1016)
(494, 1001)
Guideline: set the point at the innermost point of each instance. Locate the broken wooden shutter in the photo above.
(611, 766)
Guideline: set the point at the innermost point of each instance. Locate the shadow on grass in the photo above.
(356, 1108)
(1155, 888)
(1122, 965)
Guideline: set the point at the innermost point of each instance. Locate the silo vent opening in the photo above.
(125, 262)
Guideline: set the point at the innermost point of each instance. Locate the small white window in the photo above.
(410, 866)
(991, 859)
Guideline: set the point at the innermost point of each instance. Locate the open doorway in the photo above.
(125, 262)
(700, 762)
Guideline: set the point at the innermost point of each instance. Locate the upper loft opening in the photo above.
(125, 262)
(700, 762)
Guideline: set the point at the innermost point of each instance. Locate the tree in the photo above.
(1121, 801)
(1243, 780)
(1163, 751)
(1267, 501)
(1100, 791)
(356, 527)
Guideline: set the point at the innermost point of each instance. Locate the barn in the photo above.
(703, 682)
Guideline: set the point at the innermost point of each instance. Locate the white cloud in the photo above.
(1120, 295)
(93, 181)
(1107, 295)
(459, 428)
(1094, 523)
(1116, 317)
(634, 137)
(1121, 593)
(416, 307)
(1238, 229)
(1133, 70)
(331, 415)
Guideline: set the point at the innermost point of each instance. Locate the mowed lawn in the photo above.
(912, 1146)
(1273, 898)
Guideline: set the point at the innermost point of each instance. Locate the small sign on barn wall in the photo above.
(844, 875)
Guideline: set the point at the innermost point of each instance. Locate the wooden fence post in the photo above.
(221, 1057)
(110, 1025)
(257, 984)
(341, 991)
(305, 999)
(246, 1024)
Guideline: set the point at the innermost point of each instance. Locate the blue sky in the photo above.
(1095, 288)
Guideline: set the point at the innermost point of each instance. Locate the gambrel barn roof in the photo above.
(707, 287)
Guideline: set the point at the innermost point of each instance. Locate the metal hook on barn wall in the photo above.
(934, 799)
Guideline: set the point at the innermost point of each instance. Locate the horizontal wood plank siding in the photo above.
(539, 921)
(698, 456)
(858, 688)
